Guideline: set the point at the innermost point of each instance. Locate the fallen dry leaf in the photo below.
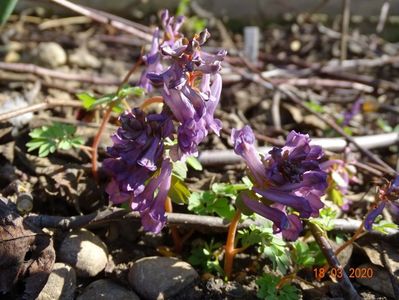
(26, 253)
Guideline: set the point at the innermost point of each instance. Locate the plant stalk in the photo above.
(230, 250)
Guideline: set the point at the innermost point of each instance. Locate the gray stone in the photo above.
(84, 251)
(51, 55)
(160, 277)
(84, 59)
(61, 283)
(107, 289)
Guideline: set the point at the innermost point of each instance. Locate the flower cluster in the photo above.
(387, 195)
(190, 85)
(137, 154)
(289, 177)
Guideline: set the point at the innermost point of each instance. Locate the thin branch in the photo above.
(44, 72)
(107, 18)
(345, 28)
(383, 16)
(324, 83)
(12, 77)
(206, 223)
(218, 157)
(40, 106)
(276, 110)
(333, 261)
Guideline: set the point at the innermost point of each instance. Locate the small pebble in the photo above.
(51, 55)
(84, 251)
(161, 277)
(84, 59)
(107, 289)
(61, 283)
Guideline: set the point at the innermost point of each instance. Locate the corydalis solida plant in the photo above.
(288, 178)
(190, 85)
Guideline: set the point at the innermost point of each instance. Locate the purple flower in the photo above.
(171, 26)
(244, 140)
(190, 83)
(151, 202)
(191, 89)
(152, 61)
(288, 177)
(355, 110)
(386, 197)
(136, 154)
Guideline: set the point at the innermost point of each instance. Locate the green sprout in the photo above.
(217, 201)
(268, 289)
(50, 138)
(206, 257)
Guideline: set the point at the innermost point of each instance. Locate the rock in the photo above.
(84, 59)
(51, 55)
(61, 283)
(12, 57)
(84, 251)
(160, 277)
(107, 289)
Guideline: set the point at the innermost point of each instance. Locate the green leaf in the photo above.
(131, 91)
(268, 290)
(336, 196)
(178, 192)
(209, 203)
(180, 169)
(107, 99)
(64, 145)
(6, 8)
(228, 189)
(316, 107)
(385, 226)
(50, 138)
(223, 208)
(248, 183)
(35, 143)
(206, 256)
(194, 163)
(87, 99)
(45, 149)
(326, 219)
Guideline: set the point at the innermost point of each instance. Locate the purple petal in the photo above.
(293, 229)
(153, 218)
(115, 195)
(275, 215)
(243, 141)
(372, 215)
(298, 203)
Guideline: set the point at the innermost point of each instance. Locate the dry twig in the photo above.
(106, 18)
(40, 106)
(44, 72)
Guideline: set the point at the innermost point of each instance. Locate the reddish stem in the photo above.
(149, 101)
(230, 250)
(355, 236)
(97, 140)
(105, 120)
(177, 240)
